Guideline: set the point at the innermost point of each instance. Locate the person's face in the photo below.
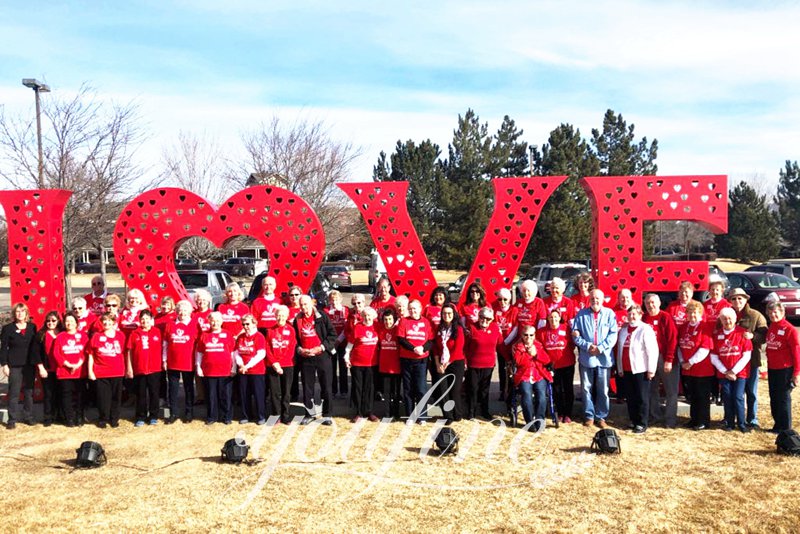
(146, 321)
(112, 306)
(715, 290)
(368, 319)
(415, 310)
(504, 301)
(98, 286)
(70, 324)
(625, 300)
(527, 293)
(215, 322)
(634, 316)
(528, 337)
(77, 308)
(307, 307)
(184, 312)
(249, 326)
(269, 286)
(685, 294)
(653, 306)
(282, 317)
(554, 319)
(233, 294)
(134, 301)
(294, 298)
(402, 309)
(167, 306)
(383, 288)
(20, 315)
(335, 301)
(51, 323)
(556, 292)
(358, 304)
(694, 315)
(438, 299)
(738, 302)
(108, 324)
(776, 314)
(583, 287)
(474, 295)
(727, 322)
(596, 301)
(388, 321)
(447, 315)
(484, 321)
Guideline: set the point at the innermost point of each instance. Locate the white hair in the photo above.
(504, 293)
(559, 283)
(729, 313)
(529, 284)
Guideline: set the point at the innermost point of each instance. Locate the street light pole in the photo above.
(38, 87)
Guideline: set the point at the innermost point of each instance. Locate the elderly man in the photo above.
(666, 372)
(595, 334)
(756, 326)
(316, 345)
(95, 301)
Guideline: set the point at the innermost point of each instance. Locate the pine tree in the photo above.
(509, 155)
(753, 231)
(618, 152)
(788, 200)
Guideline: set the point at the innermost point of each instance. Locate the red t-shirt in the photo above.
(202, 319)
(163, 318)
(70, 348)
(417, 332)
(232, 317)
(181, 339)
(677, 311)
(433, 314)
(388, 351)
(380, 305)
(531, 313)
(557, 342)
(216, 349)
(731, 348)
(86, 322)
(626, 350)
(481, 349)
(107, 352)
(129, 319)
(470, 313)
(338, 318)
(783, 346)
(281, 342)
(691, 338)
(248, 348)
(566, 307)
(306, 332)
(711, 310)
(96, 305)
(365, 346)
(293, 312)
(264, 309)
(581, 301)
(145, 349)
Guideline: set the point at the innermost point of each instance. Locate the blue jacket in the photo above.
(606, 336)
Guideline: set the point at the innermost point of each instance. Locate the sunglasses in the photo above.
(294, 294)
(528, 335)
(110, 305)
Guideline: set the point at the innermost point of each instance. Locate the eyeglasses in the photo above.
(528, 335)
(474, 291)
(294, 294)
(98, 284)
(503, 299)
(52, 320)
(485, 319)
(78, 308)
(111, 305)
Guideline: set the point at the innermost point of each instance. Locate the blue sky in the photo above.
(714, 82)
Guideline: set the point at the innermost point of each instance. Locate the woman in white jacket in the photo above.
(637, 358)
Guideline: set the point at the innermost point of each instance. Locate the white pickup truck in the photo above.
(212, 281)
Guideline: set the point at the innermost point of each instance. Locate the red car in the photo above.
(337, 275)
(760, 284)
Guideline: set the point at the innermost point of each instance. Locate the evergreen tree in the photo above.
(509, 155)
(753, 231)
(618, 152)
(788, 200)
(564, 230)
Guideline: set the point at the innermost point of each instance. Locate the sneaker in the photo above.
(210, 422)
(754, 425)
(639, 429)
(745, 429)
(138, 424)
(169, 420)
(153, 422)
(327, 421)
(11, 425)
(697, 428)
(306, 420)
(727, 428)
(261, 422)
(243, 421)
(227, 421)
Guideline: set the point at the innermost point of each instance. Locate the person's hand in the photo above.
(730, 376)
(278, 368)
(748, 335)
(5, 370)
(419, 350)
(129, 373)
(200, 371)
(650, 375)
(92, 376)
(42, 372)
(242, 370)
(667, 367)
(793, 382)
(164, 365)
(576, 333)
(686, 366)
(620, 373)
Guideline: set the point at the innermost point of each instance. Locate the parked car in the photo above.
(714, 273)
(760, 284)
(377, 269)
(186, 264)
(212, 281)
(338, 275)
(242, 266)
(320, 288)
(85, 267)
(544, 272)
(786, 268)
(456, 288)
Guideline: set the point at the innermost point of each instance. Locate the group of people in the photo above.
(390, 348)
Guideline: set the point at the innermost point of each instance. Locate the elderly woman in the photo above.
(389, 361)
(694, 347)
(339, 316)
(233, 310)
(557, 301)
(281, 344)
(16, 339)
(556, 340)
(505, 316)
(401, 304)
(637, 358)
(69, 355)
(249, 353)
(178, 354)
(481, 355)
(361, 356)
(731, 357)
(215, 362)
(264, 306)
(85, 317)
(43, 347)
(129, 316)
(166, 313)
(715, 303)
(677, 308)
(415, 338)
(530, 309)
(202, 309)
(756, 326)
(783, 365)
(105, 366)
(531, 377)
(584, 283)
(383, 298)
(475, 301)
(449, 358)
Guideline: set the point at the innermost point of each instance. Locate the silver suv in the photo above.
(544, 272)
(786, 268)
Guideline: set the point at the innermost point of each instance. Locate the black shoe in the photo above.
(47, 423)
(745, 429)
(327, 421)
(114, 424)
(727, 428)
(209, 422)
(70, 424)
(11, 425)
(101, 424)
(448, 422)
(699, 427)
(689, 424)
(639, 429)
(169, 420)
(306, 420)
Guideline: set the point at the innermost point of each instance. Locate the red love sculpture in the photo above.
(518, 203)
(153, 226)
(621, 204)
(36, 248)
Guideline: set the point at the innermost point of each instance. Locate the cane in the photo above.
(510, 394)
(552, 404)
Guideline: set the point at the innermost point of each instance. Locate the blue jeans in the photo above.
(533, 398)
(751, 391)
(594, 382)
(415, 383)
(733, 401)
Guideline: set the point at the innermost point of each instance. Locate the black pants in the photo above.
(478, 382)
(637, 393)
(174, 383)
(219, 398)
(363, 390)
(71, 398)
(297, 377)
(700, 388)
(563, 391)
(317, 368)
(339, 371)
(452, 386)
(20, 379)
(501, 365)
(252, 388)
(392, 394)
(780, 397)
(109, 398)
(147, 388)
(52, 398)
(280, 391)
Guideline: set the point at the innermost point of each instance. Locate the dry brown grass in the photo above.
(171, 478)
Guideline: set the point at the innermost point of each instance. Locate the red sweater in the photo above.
(388, 351)
(145, 350)
(365, 345)
(481, 349)
(70, 348)
(417, 332)
(557, 343)
(248, 347)
(530, 368)
(281, 343)
(216, 350)
(469, 312)
(690, 340)
(783, 347)
(666, 333)
(730, 349)
(181, 339)
(454, 346)
(108, 356)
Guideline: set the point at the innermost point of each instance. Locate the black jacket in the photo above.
(15, 347)
(325, 332)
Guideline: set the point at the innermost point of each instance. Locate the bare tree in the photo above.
(304, 159)
(88, 148)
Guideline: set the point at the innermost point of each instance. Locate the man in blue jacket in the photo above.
(595, 334)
